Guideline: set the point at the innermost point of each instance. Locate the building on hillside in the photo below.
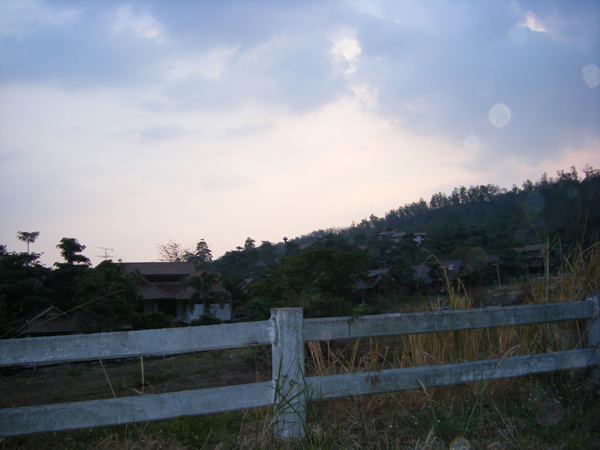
(438, 278)
(536, 257)
(382, 282)
(395, 235)
(163, 289)
(50, 322)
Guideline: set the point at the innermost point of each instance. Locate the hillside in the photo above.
(562, 210)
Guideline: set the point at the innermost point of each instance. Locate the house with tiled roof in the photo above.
(163, 287)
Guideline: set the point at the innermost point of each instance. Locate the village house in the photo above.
(163, 287)
(449, 273)
(395, 235)
(536, 257)
(381, 282)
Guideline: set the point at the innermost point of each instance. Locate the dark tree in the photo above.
(71, 251)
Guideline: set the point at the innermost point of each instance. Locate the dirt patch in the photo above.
(98, 380)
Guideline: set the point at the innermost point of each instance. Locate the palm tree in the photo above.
(28, 236)
(203, 284)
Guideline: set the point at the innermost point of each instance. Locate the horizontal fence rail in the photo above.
(286, 332)
(120, 411)
(433, 322)
(396, 380)
(169, 341)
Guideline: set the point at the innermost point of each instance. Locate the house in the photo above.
(450, 271)
(163, 289)
(395, 235)
(247, 284)
(52, 321)
(420, 237)
(536, 257)
(381, 281)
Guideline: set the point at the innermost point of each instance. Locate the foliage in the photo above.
(105, 298)
(153, 320)
(172, 252)
(22, 280)
(335, 272)
(28, 236)
(201, 257)
(70, 250)
(206, 319)
(207, 287)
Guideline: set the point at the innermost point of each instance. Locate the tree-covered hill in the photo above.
(565, 208)
(476, 225)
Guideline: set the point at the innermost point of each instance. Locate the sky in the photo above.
(126, 124)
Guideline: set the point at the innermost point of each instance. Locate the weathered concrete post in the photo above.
(288, 373)
(593, 332)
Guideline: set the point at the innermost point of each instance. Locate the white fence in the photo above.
(286, 332)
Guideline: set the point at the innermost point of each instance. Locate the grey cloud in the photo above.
(429, 80)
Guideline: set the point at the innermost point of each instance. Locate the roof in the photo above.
(171, 289)
(452, 268)
(165, 291)
(532, 248)
(51, 321)
(160, 268)
(374, 277)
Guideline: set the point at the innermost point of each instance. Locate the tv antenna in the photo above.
(106, 250)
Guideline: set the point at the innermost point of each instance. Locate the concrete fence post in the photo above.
(288, 373)
(593, 333)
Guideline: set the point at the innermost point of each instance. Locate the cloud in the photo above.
(533, 23)
(219, 120)
(21, 18)
(346, 50)
(142, 23)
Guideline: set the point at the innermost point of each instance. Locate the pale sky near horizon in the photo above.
(126, 124)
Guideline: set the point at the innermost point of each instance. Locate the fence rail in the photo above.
(286, 332)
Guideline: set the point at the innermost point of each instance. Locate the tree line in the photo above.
(102, 297)
(322, 270)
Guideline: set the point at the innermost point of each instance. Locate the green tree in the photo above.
(316, 271)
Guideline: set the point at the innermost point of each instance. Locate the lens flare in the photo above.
(591, 75)
(550, 412)
(460, 444)
(499, 115)
(472, 142)
(535, 202)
